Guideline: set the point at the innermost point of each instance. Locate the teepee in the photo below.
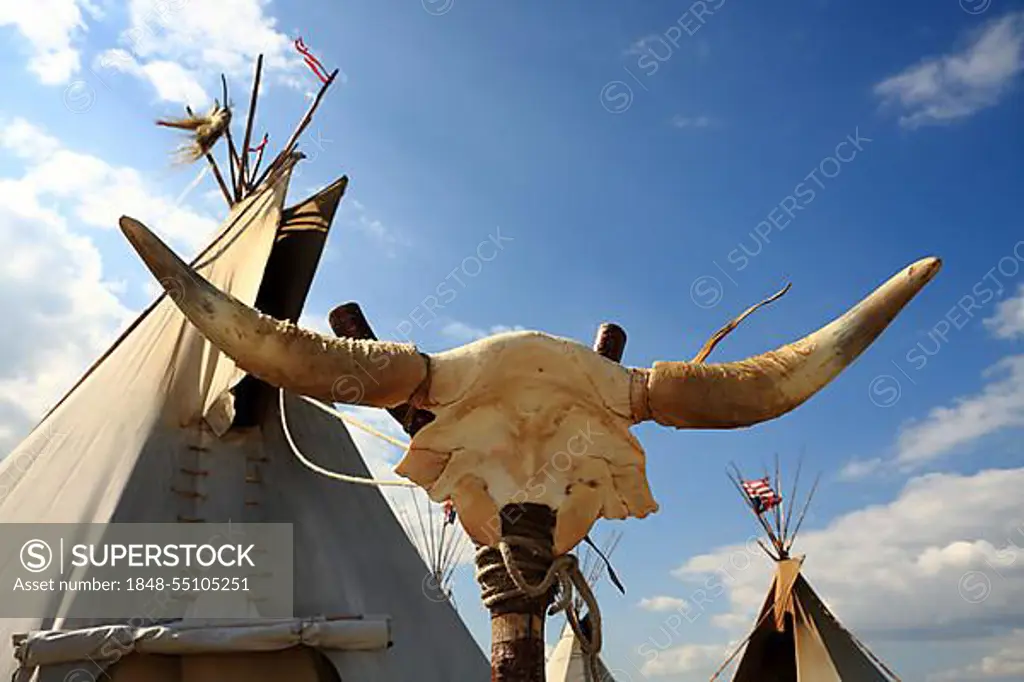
(796, 637)
(568, 662)
(164, 428)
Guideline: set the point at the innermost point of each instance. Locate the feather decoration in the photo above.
(205, 130)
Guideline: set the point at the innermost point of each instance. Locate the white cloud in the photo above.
(860, 468)
(52, 29)
(999, 406)
(26, 141)
(356, 215)
(942, 559)
(464, 333)
(54, 294)
(1008, 321)
(1006, 663)
(686, 659)
(954, 86)
(53, 289)
(662, 603)
(172, 82)
(643, 44)
(679, 121)
(97, 193)
(202, 40)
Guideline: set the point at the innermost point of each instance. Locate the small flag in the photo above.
(312, 62)
(261, 145)
(761, 495)
(449, 513)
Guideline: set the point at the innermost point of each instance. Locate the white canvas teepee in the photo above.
(796, 638)
(568, 662)
(164, 428)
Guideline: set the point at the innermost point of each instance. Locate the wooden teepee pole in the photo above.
(216, 171)
(234, 164)
(245, 179)
(305, 121)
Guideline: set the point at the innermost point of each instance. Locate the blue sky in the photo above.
(659, 165)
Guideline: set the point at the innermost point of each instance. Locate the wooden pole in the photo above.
(216, 171)
(234, 162)
(305, 121)
(248, 123)
(347, 320)
(610, 341)
(256, 166)
(517, 624)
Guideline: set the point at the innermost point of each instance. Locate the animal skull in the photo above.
(526, 416)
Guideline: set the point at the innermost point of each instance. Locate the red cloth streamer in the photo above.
(261, 145)
(312, 62)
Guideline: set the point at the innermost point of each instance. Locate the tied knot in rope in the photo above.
(501, 578)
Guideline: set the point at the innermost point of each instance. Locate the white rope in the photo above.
(376, 482)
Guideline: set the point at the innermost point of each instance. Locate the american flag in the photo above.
(761, 494)
(449, 513)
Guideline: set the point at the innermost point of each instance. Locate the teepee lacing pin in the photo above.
(563, 570)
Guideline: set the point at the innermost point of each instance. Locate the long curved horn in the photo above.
(735, 394)
(372, 373)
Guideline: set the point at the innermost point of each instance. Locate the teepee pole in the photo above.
(234, 163)
(220, 179)
(216, 171)
(303, 123)
(792, 497)
(247, 139)
(803, 512)
(778, 507)
(737, 480)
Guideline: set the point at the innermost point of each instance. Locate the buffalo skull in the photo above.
(526, 416)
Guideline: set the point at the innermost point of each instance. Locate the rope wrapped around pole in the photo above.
(500, 574)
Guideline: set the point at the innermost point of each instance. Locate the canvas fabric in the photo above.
(126, 442)
(811, 645)
(568, 664)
